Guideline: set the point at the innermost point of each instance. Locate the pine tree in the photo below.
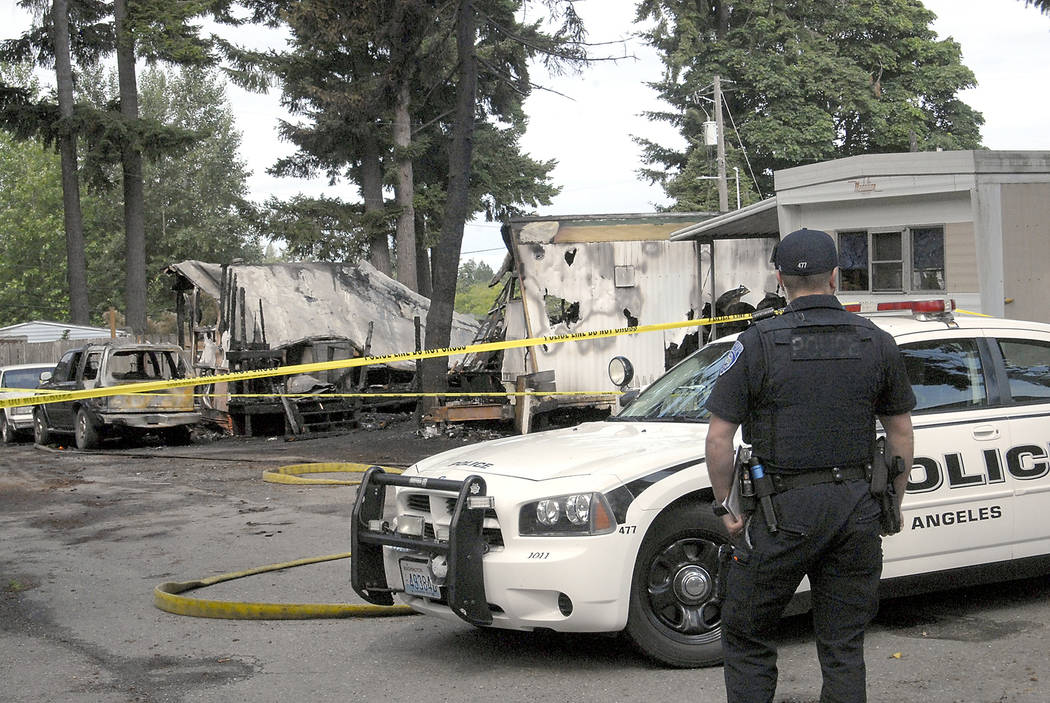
(807, 80)
(132, 29)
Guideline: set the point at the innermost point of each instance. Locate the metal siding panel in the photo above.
(666, 290)
(1026, 249)
(896, 212)
(745, 262)
(960, 258)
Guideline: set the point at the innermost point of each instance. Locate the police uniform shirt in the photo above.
(831, 372)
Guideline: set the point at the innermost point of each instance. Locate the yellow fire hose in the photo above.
(293, 473)
(167, 596)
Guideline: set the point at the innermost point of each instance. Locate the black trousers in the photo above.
(829, 532)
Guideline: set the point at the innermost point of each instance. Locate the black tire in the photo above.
(177, 436)
(41, 432)
(86, 431)
(674, 578)
(7, 432)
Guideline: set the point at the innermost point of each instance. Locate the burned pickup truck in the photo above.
(169, 413)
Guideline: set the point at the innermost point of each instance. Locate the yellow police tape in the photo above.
(412, 394)
(293, 473)
(362, 361)
(167, 597)
(65, 396)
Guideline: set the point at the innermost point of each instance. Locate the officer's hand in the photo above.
(734, 526)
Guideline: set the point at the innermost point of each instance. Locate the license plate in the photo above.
(417, 579)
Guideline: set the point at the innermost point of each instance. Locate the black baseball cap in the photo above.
(805, 252)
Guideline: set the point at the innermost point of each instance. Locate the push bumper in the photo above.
(463, 550)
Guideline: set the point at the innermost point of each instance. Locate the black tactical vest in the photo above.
(815, 403)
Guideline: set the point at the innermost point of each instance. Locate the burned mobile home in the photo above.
(593, 272)
(242, 317)
(964, 225)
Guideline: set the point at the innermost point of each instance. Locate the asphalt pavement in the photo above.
(86, 537)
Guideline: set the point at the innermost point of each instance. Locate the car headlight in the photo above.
(573, 514)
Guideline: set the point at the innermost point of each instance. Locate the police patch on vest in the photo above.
(818, 344)
(731, 357)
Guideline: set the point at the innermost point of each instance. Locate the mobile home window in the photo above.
(853, 260)
(887, 261)
(927, 258)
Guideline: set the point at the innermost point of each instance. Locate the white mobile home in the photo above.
(969, 225)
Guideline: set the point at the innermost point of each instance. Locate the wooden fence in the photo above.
(19, 352)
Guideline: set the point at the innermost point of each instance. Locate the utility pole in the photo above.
(723, 189)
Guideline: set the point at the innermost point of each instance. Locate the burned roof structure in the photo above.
(245, 316)
(307, 300)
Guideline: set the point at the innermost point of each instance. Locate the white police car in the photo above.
(607, 526)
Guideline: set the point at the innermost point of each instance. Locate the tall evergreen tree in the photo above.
(394, 83)
(495, 80)
(132, 29)
(807, 80)
(50, 44)
(131, 175)
(369, 74)
(195, 200)
(353, 73)
(76, 261)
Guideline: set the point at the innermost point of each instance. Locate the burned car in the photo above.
(169, 413)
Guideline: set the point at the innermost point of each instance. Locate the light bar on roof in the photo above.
(916, 307)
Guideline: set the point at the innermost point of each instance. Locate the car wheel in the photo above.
(41, 433)
(7, 433)
(674, 578)
(86, 431)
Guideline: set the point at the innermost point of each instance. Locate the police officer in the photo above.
(807, 386)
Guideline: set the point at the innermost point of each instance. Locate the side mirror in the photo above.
(621, 371)
(45, 376)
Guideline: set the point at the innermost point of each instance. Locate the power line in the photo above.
(742, 148)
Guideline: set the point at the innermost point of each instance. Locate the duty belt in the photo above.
(785, 482)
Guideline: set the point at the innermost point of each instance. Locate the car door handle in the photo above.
(985, 432)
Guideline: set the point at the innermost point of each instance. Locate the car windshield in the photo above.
(145, 365)
(24, 378)
(681, 394)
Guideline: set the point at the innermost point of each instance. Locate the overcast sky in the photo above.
(590, 132)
